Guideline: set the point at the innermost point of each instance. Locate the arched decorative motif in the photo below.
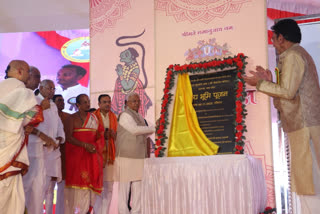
(105, 14)
(199, 10)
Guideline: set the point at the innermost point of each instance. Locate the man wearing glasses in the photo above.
(45, 162)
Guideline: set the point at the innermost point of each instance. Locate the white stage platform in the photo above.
(221, 184)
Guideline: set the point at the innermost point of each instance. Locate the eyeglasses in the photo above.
(51, 89)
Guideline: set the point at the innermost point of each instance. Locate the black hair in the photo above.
(56, 96)
(289, 29)
(103, 95)
(36, 92)
(80, 70)
(79, 97)
(6, 71)
(92, 110)
(133, 52)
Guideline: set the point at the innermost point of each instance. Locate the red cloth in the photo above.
(109, 154)
(84, 170)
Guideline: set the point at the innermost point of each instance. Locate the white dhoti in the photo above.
(135, 203)
(309, 204)
(12, 198)
(53, 170)
(60, 198)
(129, 172)
(17, 109)
(49, 194)
(78, 200)
(34, 183)
(103, 201)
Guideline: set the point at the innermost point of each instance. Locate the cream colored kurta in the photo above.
(130, 169)
(297, 98)
(109, 168)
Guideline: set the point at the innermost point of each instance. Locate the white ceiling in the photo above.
(43, 15)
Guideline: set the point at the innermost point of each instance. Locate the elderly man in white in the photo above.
(48, 134)
(18, 113)
(131, 150)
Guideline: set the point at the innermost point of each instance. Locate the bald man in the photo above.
(18, 111)
(34, 78)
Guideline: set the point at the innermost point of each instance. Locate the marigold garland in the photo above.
(240, 112)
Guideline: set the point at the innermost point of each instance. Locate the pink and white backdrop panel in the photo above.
(112, 25)
(177, 32)
(200, 30)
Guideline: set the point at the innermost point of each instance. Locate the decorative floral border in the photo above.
(237, 62)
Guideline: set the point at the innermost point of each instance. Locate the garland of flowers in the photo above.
(217, 64)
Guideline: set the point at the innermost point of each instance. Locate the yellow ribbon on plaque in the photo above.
(186, 137)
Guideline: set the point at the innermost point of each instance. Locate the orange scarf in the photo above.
(109, 153)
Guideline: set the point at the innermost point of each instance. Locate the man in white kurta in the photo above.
(52, 156)
(17, 109)
(36, 180)
(131, 150)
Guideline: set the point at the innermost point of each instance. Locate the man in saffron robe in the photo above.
(109, 121)
(18, 113)
(84, 161)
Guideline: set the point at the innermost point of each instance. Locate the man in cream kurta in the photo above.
(36, 181)
(131, 150)
(297, 98)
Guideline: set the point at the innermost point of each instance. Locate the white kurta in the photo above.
(70, 95)
(35, 182)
